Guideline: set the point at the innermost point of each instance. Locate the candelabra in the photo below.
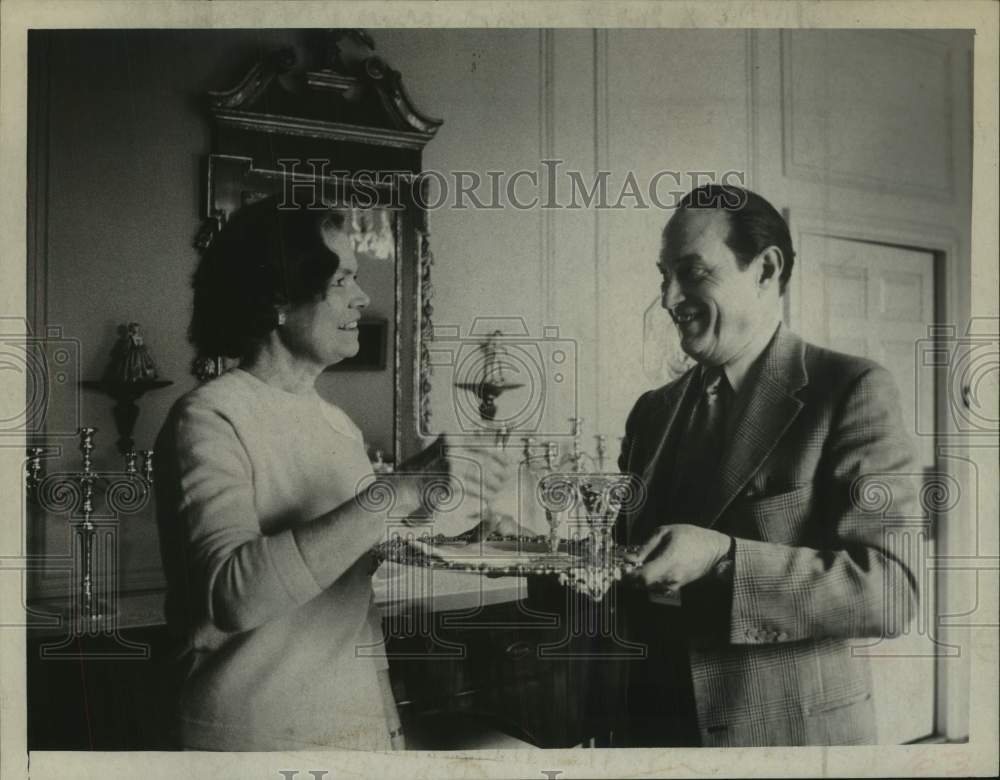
(125, 491)
(578, 486)
(588, 563)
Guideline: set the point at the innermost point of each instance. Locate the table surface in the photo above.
(396, 587)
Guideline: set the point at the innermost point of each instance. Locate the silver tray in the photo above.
(575, 563)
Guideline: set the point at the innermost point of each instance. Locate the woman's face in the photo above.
(325, 332)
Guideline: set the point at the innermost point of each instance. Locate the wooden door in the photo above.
(877, 301)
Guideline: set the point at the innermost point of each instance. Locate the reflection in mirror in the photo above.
(344, 135)
(364, 386)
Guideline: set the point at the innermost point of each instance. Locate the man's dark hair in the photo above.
(754, 224)
(264, 257)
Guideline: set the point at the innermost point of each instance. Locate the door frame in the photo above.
(951, 676)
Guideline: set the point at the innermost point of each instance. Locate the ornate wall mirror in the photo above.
(344, 133)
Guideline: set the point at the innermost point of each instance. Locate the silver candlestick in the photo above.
(551, 454)
(577, 431)
(91, 609)
(125, 492)
(602, 450)
(553, 517)
(34, 467)
(130, 460)
(528, 450)
(147, 466)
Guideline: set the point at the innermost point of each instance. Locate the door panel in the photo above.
(877, 301)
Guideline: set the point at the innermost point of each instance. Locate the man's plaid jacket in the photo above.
(818, 469)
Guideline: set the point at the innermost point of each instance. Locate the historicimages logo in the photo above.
(499, 375)
(49, 367)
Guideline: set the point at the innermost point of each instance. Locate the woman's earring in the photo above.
(281, 318)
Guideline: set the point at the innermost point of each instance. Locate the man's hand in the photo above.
(677, 555)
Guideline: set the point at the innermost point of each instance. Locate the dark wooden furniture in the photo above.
(87, 702)
(487, 669)
(453, 672)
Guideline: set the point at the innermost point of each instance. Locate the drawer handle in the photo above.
(518, 650)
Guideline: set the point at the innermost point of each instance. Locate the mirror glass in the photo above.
(364, 386)
(381, 388)
(346, 135)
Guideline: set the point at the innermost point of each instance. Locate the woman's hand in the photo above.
(477, 470)
(497, 523)
(480, 470)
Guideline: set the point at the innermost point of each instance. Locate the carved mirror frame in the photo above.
(346, 124)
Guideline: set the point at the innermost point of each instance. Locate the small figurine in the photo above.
(379, 464)
(130, 360)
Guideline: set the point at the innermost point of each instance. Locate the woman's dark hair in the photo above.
(265, 256)
(754, 224)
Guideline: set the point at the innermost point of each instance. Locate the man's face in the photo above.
(715, 304)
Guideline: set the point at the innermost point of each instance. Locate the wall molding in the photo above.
(931, 237)
(602, 249)
(753, 101)
(805, 171)
(39, 579)
(39, 140)
(546, 151)
(49, 539)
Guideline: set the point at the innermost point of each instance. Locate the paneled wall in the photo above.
(869, 128)
(866, 139)
(622, 101)
(122, 132)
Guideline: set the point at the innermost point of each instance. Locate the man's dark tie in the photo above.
(660, 696)
(698, 461)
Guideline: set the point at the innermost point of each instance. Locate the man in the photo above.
(753, 463)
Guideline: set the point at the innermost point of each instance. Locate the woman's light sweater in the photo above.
(271, 660)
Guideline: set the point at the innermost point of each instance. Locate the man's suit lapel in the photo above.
(665, 418)
(770, 410)
(669, 407)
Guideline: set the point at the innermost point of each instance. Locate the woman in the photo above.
(266, 543)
